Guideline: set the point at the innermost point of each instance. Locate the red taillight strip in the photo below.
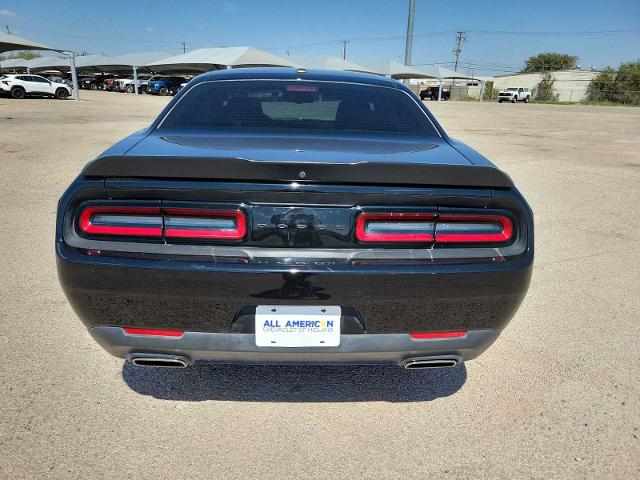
(507, 229)
(86, 226)
(444, 334)
(153, 331)
(364, 236)
(238, 233)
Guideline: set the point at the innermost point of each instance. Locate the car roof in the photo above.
(287, 73)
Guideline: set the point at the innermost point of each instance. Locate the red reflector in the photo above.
(194, 223)
(152, 331)
(447, 334)
(134, 221)
(403, 221)
(470, 228)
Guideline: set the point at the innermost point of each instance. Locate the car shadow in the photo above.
(261, 383)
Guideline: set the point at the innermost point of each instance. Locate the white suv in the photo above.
(19, 86)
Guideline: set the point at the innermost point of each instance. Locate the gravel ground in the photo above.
(556, 396)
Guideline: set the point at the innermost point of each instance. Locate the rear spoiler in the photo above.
(240, 169)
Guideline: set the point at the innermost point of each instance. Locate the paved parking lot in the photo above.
(557, 396)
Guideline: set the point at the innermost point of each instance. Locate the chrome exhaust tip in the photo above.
(158, 360)
(441, 361)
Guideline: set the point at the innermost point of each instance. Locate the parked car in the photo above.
(175, 90)
(21, 86)
(514, 95)
(281, 216)
(431, 93)
(128, 84)
(108, 83)
(164, 85)
(94, 82)
(59, 79)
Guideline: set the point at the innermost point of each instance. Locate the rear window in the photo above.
(303, 105)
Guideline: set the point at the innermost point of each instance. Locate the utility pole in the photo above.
(409, 44)
(6, 27)
(344, 49)
(461, 36)
(184, 47)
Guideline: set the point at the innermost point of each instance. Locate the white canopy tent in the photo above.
(9, 42)
(14, 63)
(205, 59)
(443, 73)
(399, 71)
(330, 62)
(61, 64)
(91, 63)
(131, 62)
(393, 69)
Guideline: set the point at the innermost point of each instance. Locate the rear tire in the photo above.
(526, 99)
(499, 101)
(61, 94)
(18, 93)
(164, 91)
(94, 86)
(129, 89)
(514, 100)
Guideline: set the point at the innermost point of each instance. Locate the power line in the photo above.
(94, 37)
(561, 34)
(338, 41)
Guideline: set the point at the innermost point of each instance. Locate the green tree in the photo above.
(546, 90)
(24, 55)
(603, 86)
(549, 62)
(489, 93)
(621, 86)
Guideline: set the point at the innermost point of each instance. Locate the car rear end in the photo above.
(5, 83)
(417, 256)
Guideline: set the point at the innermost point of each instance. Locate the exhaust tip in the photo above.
(441, 361)
(159, 361)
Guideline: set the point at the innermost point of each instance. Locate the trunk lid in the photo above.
(368, 159)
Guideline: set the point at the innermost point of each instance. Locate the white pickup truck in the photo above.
(128, 85)
(514, 95)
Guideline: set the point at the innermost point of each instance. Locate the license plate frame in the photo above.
(297, 326)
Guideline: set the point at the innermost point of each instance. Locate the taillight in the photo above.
(395, 227)
(163, 222)
(130, 221)
(212, 224)
(463, 228)
(433, 228)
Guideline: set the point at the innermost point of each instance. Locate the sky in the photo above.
(501, 34)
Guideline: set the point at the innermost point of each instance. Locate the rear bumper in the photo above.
(356, 349)
(213, 297)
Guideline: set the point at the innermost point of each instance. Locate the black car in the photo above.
(431, 93)
(94, 82)
(283, 216)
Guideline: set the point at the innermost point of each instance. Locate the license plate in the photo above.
(297, 326)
